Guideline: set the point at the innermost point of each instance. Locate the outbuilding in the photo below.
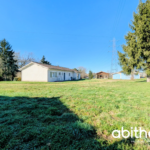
(121, 75)
(102, 75)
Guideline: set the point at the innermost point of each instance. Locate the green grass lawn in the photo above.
(73, 115)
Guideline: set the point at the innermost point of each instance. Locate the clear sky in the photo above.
(70, 33)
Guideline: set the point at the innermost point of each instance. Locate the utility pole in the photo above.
(114, 64)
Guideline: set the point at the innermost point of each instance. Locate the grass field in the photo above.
(73, 115)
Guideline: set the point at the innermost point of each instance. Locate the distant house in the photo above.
(143, 74)
(102, 75)
(121, 75)
(47, 73)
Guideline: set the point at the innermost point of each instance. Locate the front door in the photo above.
(64, 76)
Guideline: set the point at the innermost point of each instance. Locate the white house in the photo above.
(47, 73)
(121, 75)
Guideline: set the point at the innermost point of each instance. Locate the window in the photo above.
(69, 74)
(53, 74)
(59, 73)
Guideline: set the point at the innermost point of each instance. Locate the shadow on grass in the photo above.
(145, 80)
(72, 80)
(45, 123)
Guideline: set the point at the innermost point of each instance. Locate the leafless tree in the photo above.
(83, 72)
(23, 60)
(94, 75)
(110, 74)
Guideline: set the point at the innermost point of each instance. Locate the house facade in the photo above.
(143, 74)
(47, 73)
(102, 75)
(121, 75)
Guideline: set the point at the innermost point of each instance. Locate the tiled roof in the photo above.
(101, 72)
(56, 67)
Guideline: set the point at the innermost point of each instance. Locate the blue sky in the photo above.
(70, 33)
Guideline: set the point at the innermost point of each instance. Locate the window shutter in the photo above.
(56, 74)
(50, 74)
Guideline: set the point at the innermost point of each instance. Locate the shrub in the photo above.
(90, 74)
(17, 79)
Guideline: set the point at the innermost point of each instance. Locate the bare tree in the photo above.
(23, 60)
(83, 72)
(94, 75)
(110, 76)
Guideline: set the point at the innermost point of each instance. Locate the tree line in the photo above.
(11, 61)
(83, 73)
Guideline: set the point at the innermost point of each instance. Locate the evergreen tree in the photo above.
(75, 69)
(130, 58)
(12, 65)
(8, 64)
(4, 49)
(43, 61)
(0, 67)
(90, 75)
(137, 49)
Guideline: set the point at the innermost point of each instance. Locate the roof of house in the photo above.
(101, 72)
(50, 67)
